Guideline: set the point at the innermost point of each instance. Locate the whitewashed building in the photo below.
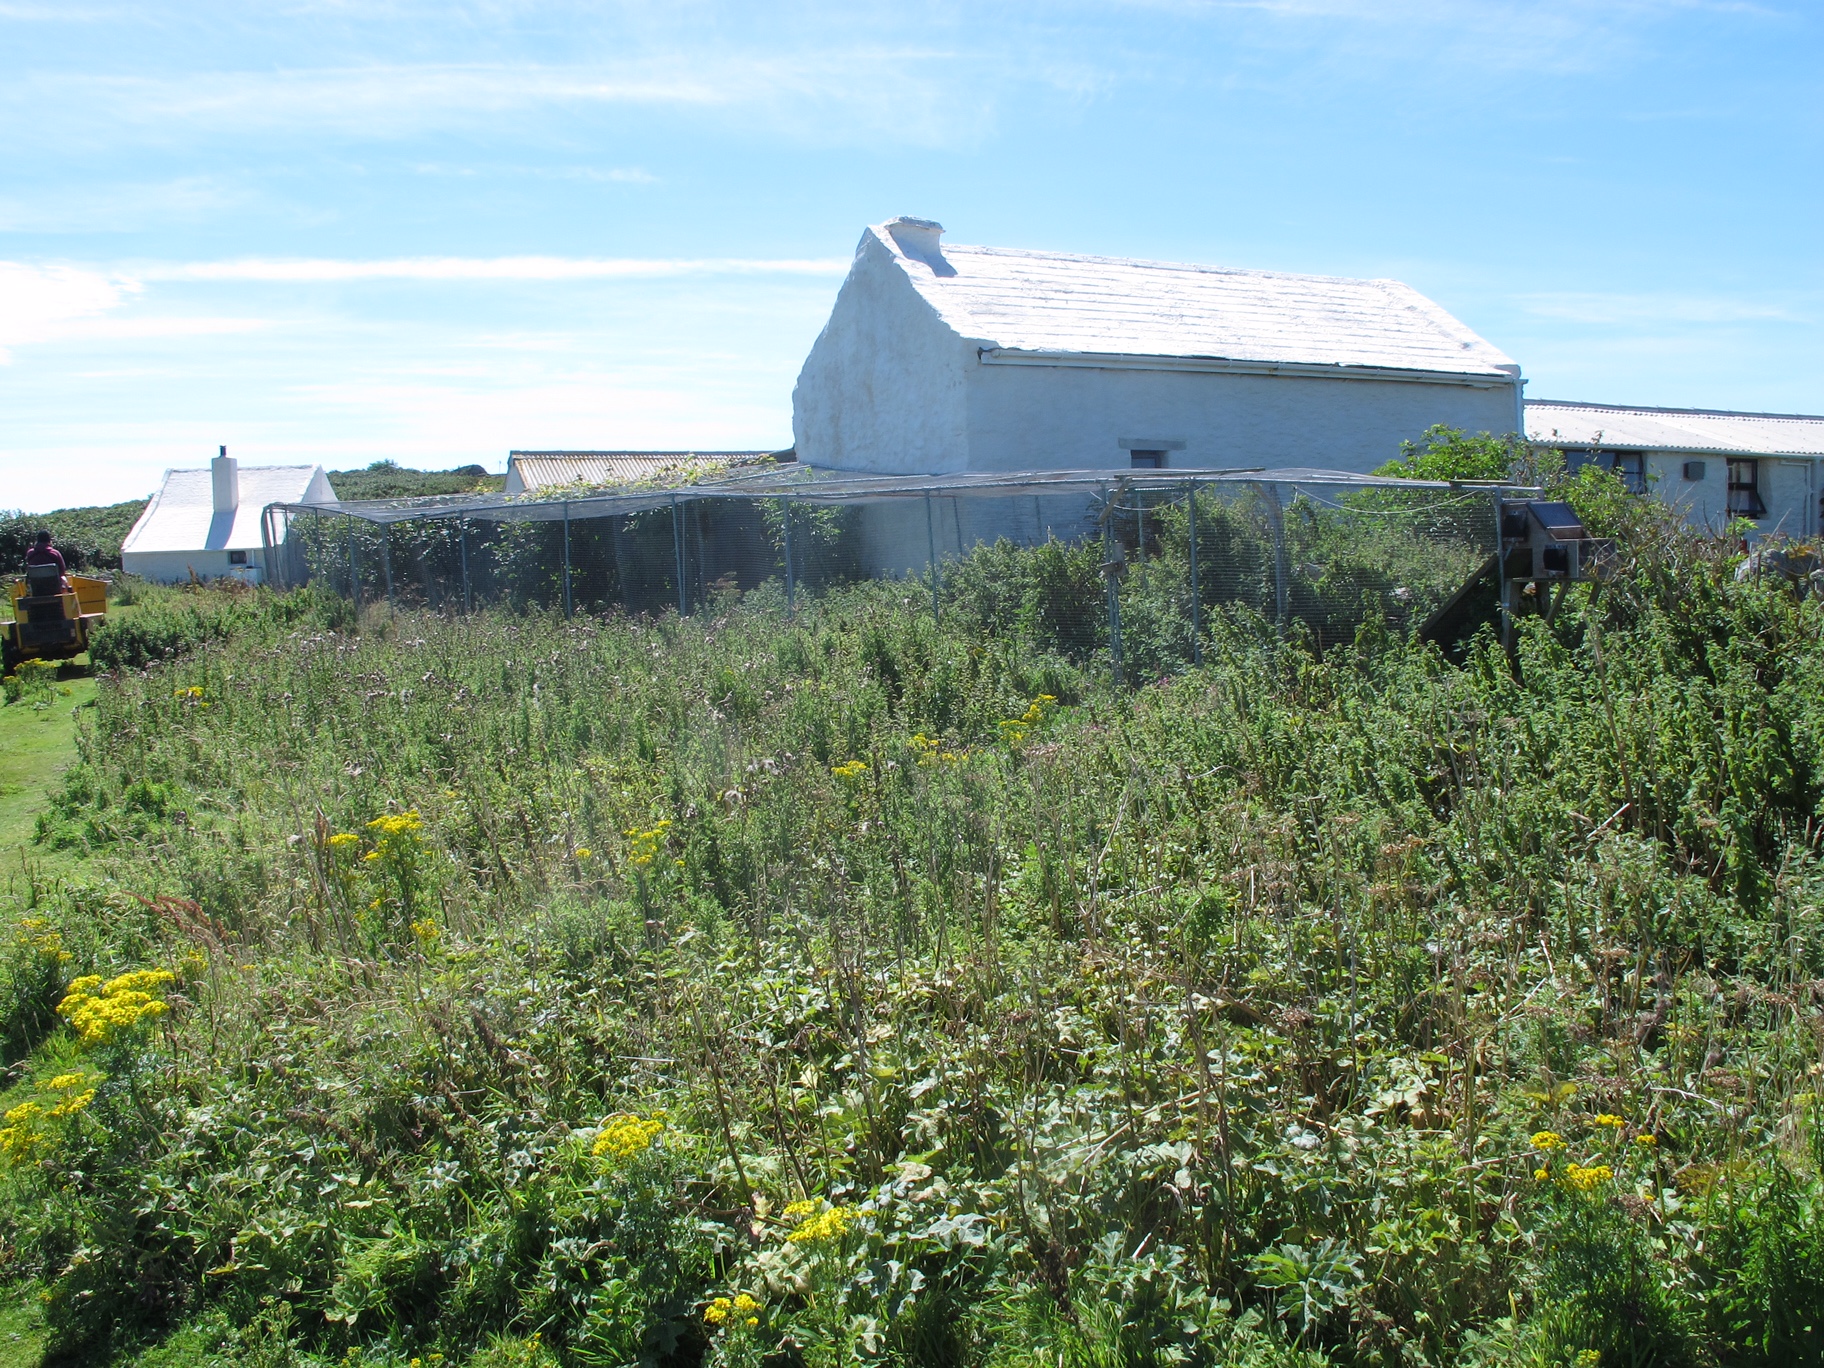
(1712, 464)
(940, 358)
(206, 523)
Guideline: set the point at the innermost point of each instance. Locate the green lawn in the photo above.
(21, 1329)
(37, 743)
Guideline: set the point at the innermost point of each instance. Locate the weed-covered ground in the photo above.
(853, 989)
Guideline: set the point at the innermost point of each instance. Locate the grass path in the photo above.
(37, 743)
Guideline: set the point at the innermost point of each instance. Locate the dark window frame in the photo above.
(1146, 459)
(1744, 496)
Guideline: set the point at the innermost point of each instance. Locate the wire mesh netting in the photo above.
(1128, 568)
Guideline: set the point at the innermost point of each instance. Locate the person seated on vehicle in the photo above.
(43, 553)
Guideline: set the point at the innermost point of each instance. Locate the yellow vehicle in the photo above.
(49, 621)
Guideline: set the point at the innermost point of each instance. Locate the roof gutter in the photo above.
(1219, 365)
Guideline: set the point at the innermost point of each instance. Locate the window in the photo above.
(1148, 460)
(237, 558)
(1745, 490)
(1631, 466)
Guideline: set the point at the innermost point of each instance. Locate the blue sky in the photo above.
(338, 232)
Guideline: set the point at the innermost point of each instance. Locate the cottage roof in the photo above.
(528, 471)
(1057, 302)
(1713, 431)
(182, 516)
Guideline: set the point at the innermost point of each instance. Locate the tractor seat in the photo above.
(43, 580)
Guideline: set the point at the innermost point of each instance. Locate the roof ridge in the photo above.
(1201, 268)
(1687, 412)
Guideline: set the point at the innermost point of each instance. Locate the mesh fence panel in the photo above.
(1128, 572)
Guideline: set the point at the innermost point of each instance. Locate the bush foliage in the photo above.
(852, 988)
(89, 538)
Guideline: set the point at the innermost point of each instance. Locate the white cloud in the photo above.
(916, 94)
(1636, 310)
(40, 302)
(309, 270)
(120, 208)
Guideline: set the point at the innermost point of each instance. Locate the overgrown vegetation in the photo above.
(89, 538)
(168, 622)
(385, 479)
(855, 989)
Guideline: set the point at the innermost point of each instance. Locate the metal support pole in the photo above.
(354, 568)
(931, 543)
(1196, 588)
(566, 558)
(386, 561)
(1276, 521)
(468, 596)
(1112, 580)
(791, 584)
(677, 546)
(1507, 617)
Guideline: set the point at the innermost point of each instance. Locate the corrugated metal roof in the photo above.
(1662, 429)
(182, 517)
(537, 470)
(1059, 302)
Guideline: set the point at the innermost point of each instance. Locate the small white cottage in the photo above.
(206, 523)
(941, 358)
(1713, 464)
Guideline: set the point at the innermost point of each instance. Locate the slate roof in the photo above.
(181, 516)
(551, 469)
(1059, 302)
(1713, 431)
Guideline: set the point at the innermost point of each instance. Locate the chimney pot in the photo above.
(922, 240)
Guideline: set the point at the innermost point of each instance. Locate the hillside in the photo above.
(385, 480)
(89, 538)
(510, 990)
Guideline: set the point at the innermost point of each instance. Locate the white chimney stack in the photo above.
(226, 477)
(922, 240)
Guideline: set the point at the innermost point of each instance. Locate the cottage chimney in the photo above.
(226, 477)
(920, 239)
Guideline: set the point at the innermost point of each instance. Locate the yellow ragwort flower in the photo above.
(644, 846)
(1588, 1179)
(829, 1224)
(723, 1311)
(1547, 1140)
(1610, 1119)
(1646, 1140)
(626, 1135)
(101, 1013)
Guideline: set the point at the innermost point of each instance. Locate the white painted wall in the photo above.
(1704, 502)
(175, 567)
(1040, 418)
(1790, 487)
(883, 389)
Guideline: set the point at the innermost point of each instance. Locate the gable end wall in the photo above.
(883, 389)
